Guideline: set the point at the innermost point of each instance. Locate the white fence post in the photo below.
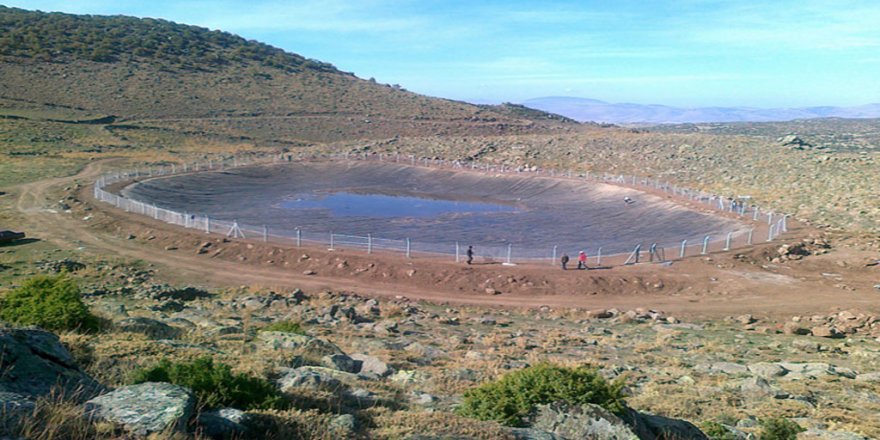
(683, 247)
(408, 248)
(727, 242)
(705, 246)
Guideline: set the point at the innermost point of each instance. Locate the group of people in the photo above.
(582, 261)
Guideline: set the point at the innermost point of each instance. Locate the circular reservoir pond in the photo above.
(435, 208)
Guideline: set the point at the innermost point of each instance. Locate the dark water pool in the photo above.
(344, 204)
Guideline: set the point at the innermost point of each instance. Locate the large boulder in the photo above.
(586, 421)
(35, 363)
(145, 408)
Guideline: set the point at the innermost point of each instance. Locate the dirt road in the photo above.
(721, 285)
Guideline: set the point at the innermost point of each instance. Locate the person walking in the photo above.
(564, 261)
(470, 255)
(582, 260)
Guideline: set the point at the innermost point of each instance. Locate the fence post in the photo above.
(749, 239)
(299, 241)
(553, 260)
(408, 248)
(770, 233)
(755, 217)
(683, 247)
(770, 217)
(265, 234)
(509, 253)
(785, 223)
(331, 242)
(727, 242)
(705, 246)
(369, 243)
(599, 257)
(457, 253)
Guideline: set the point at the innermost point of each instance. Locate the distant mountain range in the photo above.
(583, 109)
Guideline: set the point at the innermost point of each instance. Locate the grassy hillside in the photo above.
(189, 78)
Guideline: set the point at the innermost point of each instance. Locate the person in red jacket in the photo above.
(582, 260)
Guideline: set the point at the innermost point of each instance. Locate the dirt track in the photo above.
(710, 287)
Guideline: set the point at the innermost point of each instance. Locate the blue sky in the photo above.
(685, 53)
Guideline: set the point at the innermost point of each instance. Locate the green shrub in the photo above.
(51, 302)
(779, 429)
(284, 326)
(717, 431)
(510, 399)
(214, 384)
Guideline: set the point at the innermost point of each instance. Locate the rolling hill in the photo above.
(159, 73)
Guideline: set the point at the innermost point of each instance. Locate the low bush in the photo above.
(779, 429)
(214, 385)
(50, 302)
(284, 326)
(510, 399)
(717, 431)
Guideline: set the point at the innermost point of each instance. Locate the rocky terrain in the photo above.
(367, 368)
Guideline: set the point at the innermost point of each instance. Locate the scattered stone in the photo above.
(341, 362)
(308, 379)
(757, 388)
(826, 331)
(307, 345)
(818, 434)
(723, 368)
(145, 408)
(309, 272)
(371, 365)
(343, 425)
(795, 328)
(149, 327)
(767, 370)
(224, 423)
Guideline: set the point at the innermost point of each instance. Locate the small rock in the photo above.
(313, 380)
(341, 362)
(146, 326)
(825, 331)
(224, 423)
(372, 365)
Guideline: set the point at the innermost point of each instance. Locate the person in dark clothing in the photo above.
(564, 261)
(470, 255)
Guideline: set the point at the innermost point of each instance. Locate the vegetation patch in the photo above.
(510, 399)
(214, 385)
(50, 302)
(779, 429)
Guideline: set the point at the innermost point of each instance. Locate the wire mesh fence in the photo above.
(762, 224)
